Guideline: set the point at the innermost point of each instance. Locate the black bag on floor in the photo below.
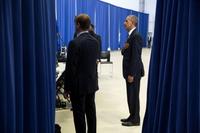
(57, 128)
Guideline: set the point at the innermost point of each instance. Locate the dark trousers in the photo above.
(133, 90)
(84, 105)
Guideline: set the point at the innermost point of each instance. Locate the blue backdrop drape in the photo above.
(173, 99)
(102, 23)
(108, 20)
(88, 7)
(114, 28)
(27, 70)
(66, 12)
(143, 27)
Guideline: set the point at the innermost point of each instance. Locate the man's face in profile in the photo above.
(128, 24)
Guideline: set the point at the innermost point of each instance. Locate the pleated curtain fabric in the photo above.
(114, 26)
(107, 19)
(27, 68)
(102, 23)
(173, 97)
(66, 12)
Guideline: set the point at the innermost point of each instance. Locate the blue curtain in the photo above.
(143, 26)
(173, 99)
(102, 23)
(88, 7)
(114, 28)
(27, 70)
(66, 12)
(103, 16)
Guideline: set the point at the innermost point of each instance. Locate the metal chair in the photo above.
(105, 55)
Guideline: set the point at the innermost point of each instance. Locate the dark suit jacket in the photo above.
(81, 74)
(132, 62)
(98, 37)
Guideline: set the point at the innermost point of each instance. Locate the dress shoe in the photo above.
(129, 123)
(124, 120)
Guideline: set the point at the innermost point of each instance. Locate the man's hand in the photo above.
(130, 79)
(126, 45)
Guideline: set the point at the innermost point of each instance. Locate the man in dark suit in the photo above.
(132, 70)
(80, 78)
(98, 37)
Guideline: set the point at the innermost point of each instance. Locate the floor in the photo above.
(111, 103)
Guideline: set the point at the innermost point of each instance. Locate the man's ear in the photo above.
(78, 25)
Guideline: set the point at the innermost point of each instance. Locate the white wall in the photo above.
(128, 4)
(150, 8)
